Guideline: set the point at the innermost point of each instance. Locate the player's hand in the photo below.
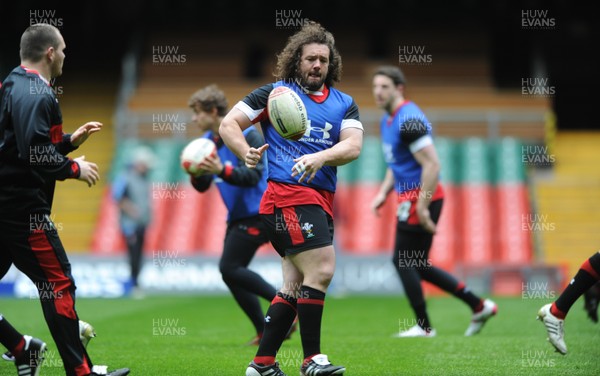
(377, 203)
(307, 167)
(88, 171)
(425, 218)
(211, 165)
(253, 155)
(82, 133)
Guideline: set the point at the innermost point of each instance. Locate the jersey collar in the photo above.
(319, 96)
(33, 71)
(393, 114)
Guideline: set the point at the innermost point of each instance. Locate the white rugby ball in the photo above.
(194, 153)
(287, 113)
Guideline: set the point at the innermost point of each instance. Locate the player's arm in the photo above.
(421, 145)
(241, 175)
(242, 115)
(384, 190)
(71, 141)
(201, 183)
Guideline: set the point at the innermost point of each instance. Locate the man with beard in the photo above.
(297, 206)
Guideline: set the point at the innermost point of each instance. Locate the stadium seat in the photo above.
(477, 245)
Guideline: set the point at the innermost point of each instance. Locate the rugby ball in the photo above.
(287, 113)
(194, 153)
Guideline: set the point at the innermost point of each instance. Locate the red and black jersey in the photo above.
(33, 147)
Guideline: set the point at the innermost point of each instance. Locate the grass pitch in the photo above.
(200, 335)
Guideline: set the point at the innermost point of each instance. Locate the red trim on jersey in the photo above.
(311, 301)
(413, 196)
(390, 119)
(320, 98)
(56, 133)
(75, 170)
(283, 195)
(227, 171)
(263, 116)
(48, 261)
(279, 300)
(292, 225)
(587, 266)
(33, 71)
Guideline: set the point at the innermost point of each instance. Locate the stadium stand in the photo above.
(75, 206)
(569, 198)
(480, 136)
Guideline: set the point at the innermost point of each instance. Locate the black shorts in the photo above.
(408, 219)
(297, 229)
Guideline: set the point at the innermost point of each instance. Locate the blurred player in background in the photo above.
(33, 151)
(241, 189)
(297, 206)
(553, 315)
(413, 170)
(131, 191)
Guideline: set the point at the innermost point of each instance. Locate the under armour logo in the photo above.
(325, 130)
(268, 319)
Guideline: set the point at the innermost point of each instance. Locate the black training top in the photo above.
(33, 147)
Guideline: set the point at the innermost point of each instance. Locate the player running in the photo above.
(241, 189)
(413, 170)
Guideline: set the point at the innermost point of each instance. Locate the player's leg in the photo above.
(135, 246)
(422, 242)
(278, 319)
(482, 309)
(553, 315)
(242, 239)
(41, 256)
(408, 245)
(28, 351)
(314, 256)
(591, 299)
(586, 277)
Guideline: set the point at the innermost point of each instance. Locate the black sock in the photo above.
(586, 277)
(279, 318)
(10, 338)
(422, 316)
(464, 293)
(310, 312)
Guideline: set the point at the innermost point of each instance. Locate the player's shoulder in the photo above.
(410, 108)
(347, 98)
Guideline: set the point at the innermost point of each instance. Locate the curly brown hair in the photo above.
(288, 60)
(209, 97)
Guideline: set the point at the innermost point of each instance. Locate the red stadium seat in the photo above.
(107, 238)
(477, 244)
(512, 208)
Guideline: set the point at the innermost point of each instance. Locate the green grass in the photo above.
(206, 336)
